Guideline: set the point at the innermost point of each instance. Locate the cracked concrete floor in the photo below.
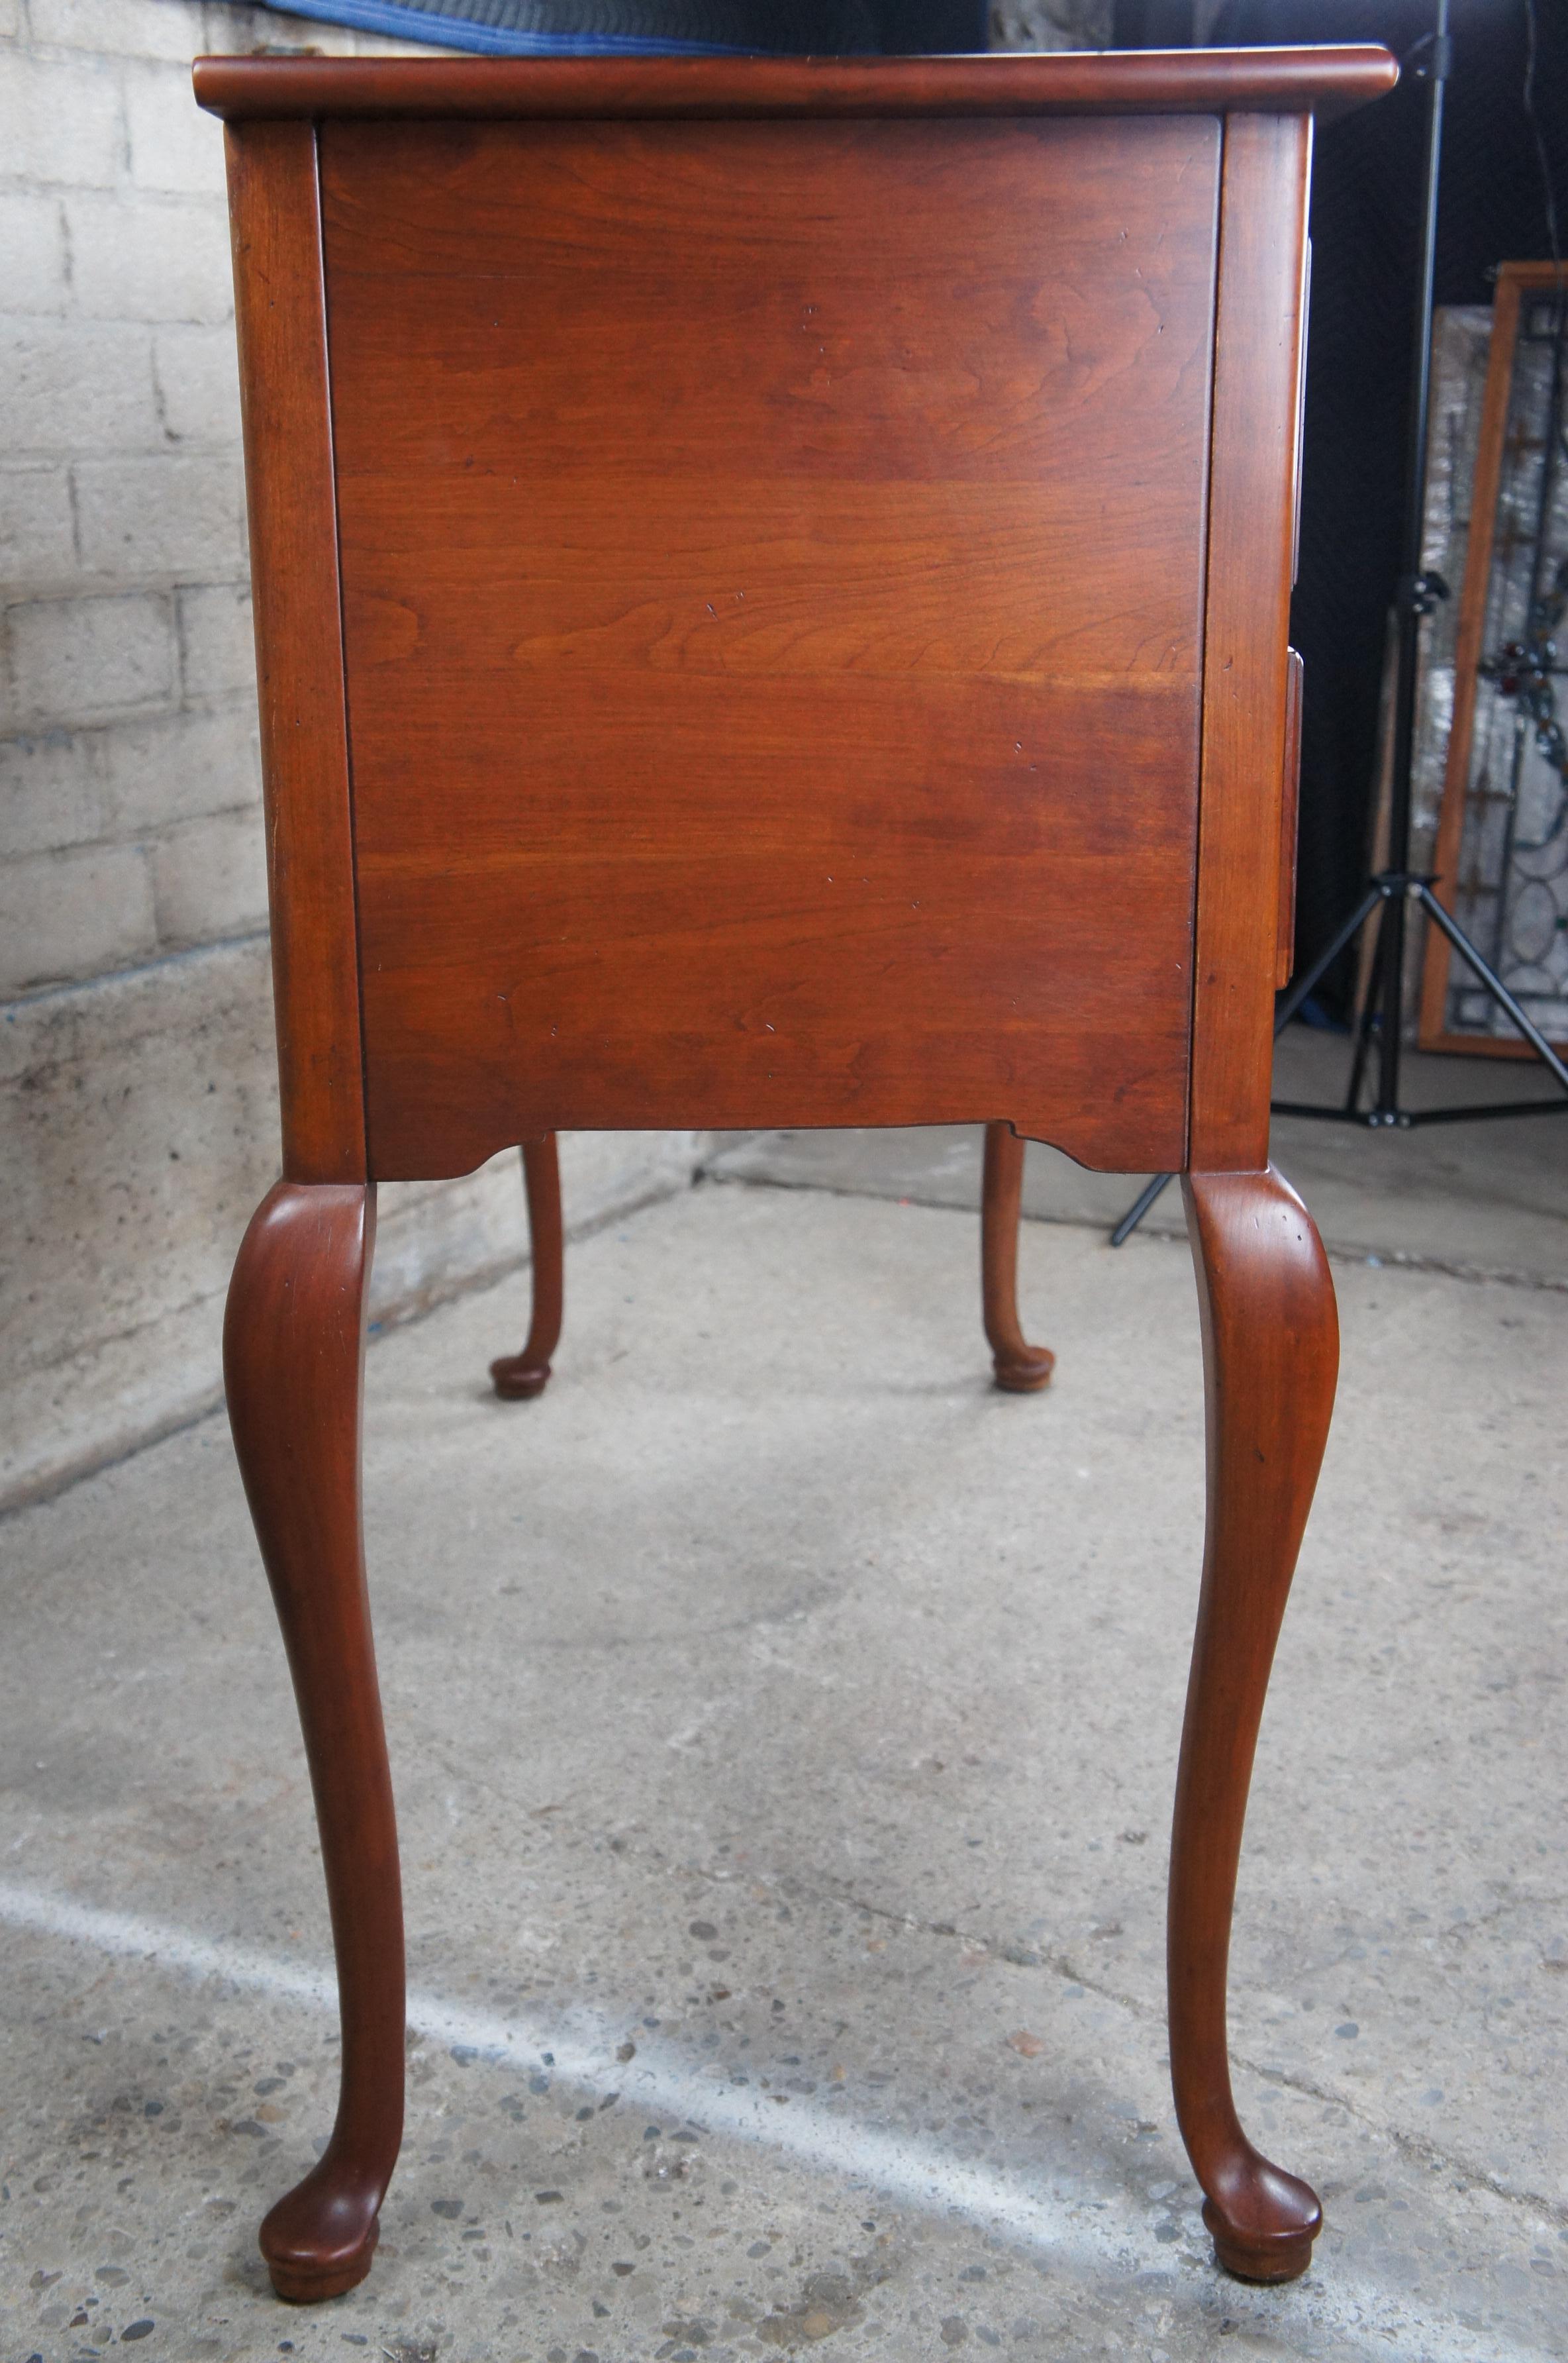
(784, 1726)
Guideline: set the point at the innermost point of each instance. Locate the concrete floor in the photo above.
(1486, 1201)
(784, 1726)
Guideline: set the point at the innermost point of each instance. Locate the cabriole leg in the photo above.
(293, 1360)
(517, 1376)
(1021, 1367)
(1271, 1353)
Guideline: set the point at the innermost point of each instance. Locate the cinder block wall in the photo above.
(138, 1105)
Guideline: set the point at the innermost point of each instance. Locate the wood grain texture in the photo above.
(280, 321)
(1271, 1357)
(782, 544)
(1321, 79)
(1251, 531)
(1289, 819)
(293, 1366)
(517, 1378)
(1019, 1367)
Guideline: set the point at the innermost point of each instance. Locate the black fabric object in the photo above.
(524, 27)
(1366, 226)
(1150, 23)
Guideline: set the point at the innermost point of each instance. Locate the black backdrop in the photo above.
(1366, 233)
(525, 27)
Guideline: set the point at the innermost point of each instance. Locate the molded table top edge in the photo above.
(1326, 82)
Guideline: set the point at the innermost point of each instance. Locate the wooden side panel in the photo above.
(1290, 823)
(1251, 532)
(773, 578)
(274, 208)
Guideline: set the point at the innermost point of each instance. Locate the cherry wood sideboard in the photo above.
(771, 583)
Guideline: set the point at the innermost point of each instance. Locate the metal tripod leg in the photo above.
(1139, 1208)
(1377, 892)
(1366, 1025)
(1494, 985)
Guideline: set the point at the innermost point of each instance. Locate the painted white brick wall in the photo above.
(62, 120)
(86, 905)
(137, 1099)
(32, 239)
(136, 258)
(122, 535)
(86, 657)
(217, 652)
(37, 536)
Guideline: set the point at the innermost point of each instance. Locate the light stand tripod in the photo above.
(1392, 892)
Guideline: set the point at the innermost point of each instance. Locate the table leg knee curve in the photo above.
(294, 1352)
(1271, 1355)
